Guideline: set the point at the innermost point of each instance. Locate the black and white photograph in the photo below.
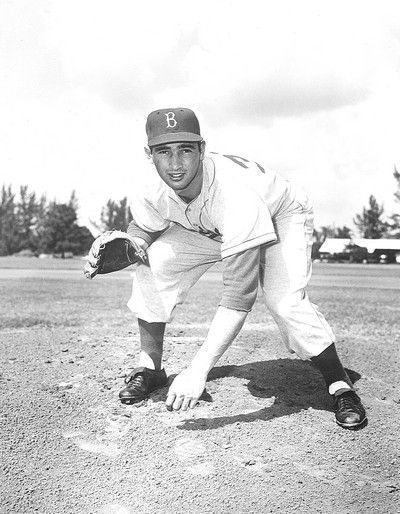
(199, 257)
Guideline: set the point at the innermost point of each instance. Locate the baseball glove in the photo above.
(112, 251)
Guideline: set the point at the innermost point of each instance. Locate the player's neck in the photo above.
(193, 190)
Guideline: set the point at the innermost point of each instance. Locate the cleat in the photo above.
(349, 411)
(140, 383)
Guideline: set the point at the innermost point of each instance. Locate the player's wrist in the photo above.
(199, 369)
(141, 242)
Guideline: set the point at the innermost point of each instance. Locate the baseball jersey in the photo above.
(236, 205)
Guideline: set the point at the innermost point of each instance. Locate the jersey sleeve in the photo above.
(147, 222)
(240, 279)
(244, 218)
(149, 237)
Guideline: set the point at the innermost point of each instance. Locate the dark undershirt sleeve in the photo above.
(240, 278)
(149, 237)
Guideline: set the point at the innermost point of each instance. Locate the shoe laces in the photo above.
(134, 380)
(347, 401)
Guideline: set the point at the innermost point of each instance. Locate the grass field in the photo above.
(267, 442)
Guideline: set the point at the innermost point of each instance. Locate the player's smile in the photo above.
(176, 177)
(180, 165)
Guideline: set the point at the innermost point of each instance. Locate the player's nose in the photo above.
(175, 162)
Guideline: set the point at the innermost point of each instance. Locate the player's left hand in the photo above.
(185, 390)
(112, 251)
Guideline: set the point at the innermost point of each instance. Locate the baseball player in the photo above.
(194, 210)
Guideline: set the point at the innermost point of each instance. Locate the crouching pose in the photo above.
(197, 209)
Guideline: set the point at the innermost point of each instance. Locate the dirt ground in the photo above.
(264, 440)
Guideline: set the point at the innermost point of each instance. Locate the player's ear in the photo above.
(202, 149)
(147, 151)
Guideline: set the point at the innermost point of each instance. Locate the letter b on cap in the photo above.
(171, 121)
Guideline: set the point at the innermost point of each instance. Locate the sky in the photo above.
(309, 89)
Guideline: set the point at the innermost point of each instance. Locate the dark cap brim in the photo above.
(174, 137)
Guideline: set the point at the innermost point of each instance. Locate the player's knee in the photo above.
(285, 306)
(161, 258)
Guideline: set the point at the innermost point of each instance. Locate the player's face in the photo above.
(180, 165)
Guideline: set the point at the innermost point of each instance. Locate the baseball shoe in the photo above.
(349, 411)
(140, 383)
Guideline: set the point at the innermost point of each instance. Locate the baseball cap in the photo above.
(172, 125)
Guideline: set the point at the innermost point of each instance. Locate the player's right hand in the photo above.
(185, 390)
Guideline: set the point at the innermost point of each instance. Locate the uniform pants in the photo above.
(179, 257)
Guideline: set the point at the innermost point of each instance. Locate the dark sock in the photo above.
(331, 368)
(151, 340)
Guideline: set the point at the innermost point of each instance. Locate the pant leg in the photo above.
(284, 275)
(177, 259)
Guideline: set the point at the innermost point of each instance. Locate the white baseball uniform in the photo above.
(253, 220)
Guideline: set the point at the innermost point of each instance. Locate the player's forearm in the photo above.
(224, 328)
(137, 232)
(141, 242)
(240, 279)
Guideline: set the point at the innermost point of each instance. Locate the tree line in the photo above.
(370, 223)
(33, 223)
